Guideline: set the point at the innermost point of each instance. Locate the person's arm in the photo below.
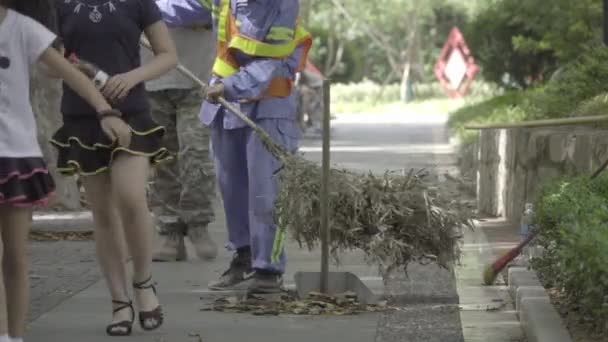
(253, 78)
(53, 61)
(50, 72)
(112, 125)
(165, 59)
(165, 55)
(185, 13)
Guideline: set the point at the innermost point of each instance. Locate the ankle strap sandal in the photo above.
(122, 328)
(149, 320)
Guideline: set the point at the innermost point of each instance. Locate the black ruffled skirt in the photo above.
(25, 182)
(84, 149)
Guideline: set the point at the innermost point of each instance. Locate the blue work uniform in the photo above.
(245, 169)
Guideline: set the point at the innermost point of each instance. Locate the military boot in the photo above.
(172, 248)
(205, 248)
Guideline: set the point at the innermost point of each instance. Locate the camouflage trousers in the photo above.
(182, 191)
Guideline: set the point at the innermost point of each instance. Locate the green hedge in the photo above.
(572, 214)
(579, 88)
(503, 108)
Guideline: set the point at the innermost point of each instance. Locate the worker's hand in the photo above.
(214, 92)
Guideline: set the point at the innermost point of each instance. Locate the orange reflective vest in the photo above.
(229, 39)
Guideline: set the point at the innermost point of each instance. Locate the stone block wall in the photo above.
(513, 164)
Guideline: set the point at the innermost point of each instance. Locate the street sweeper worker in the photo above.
(260, 48)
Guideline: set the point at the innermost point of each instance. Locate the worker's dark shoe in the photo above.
(238, 275)
(266, 282)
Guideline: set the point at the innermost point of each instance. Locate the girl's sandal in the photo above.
(145, 317)
(122, 328)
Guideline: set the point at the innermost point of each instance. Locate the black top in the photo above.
(106, 33)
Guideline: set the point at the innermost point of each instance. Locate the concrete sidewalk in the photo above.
(183, 292)
(484, 313)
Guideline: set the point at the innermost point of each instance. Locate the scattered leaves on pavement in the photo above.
(61, 236)
(287, 303)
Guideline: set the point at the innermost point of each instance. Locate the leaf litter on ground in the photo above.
(60, 236)
(315, 304)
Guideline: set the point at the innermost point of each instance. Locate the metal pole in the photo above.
(606, 22)
(325, 234)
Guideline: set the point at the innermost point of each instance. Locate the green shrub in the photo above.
(581, 80)
(503, 108)
(580, 88)
(372, 92)
(572, 214)
(364, 92)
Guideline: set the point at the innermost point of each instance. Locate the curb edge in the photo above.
(538, 317)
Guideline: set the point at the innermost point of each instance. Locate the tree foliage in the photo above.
(520, 42)
(379, 39)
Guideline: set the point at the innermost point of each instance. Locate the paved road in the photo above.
(360, 142)
(388, 142)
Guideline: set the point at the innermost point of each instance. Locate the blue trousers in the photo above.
(245, 173)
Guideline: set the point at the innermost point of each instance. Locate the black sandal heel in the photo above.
(125, 327)
(156, 314)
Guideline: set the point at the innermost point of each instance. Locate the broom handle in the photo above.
(274, 147)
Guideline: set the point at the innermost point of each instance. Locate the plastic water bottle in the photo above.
(527, 222)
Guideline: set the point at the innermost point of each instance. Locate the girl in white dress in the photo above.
(24, 178)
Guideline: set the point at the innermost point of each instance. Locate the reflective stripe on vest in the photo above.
(229, 39)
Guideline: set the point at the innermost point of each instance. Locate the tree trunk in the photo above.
(407, 93)
(331, 47)
(374, 34)
(305, 9)
(406, 84)
(45, 96)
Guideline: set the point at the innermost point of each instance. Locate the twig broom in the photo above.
(393, 218)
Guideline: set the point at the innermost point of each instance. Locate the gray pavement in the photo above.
(59, 270)
(484, 313)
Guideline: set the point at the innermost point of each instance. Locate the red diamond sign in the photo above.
(455, 67)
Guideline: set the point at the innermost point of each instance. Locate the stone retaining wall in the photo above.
(513, 164)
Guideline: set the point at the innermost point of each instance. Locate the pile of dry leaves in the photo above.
(288, 303)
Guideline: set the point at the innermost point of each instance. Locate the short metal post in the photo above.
(325, 232)
(606, 22)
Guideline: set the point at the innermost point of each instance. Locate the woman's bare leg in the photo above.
(108, 235)
(129, 179)
(16, 224)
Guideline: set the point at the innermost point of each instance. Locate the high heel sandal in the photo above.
(122, 328)
(146, 316)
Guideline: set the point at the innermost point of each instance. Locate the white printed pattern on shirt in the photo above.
(95, 14)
